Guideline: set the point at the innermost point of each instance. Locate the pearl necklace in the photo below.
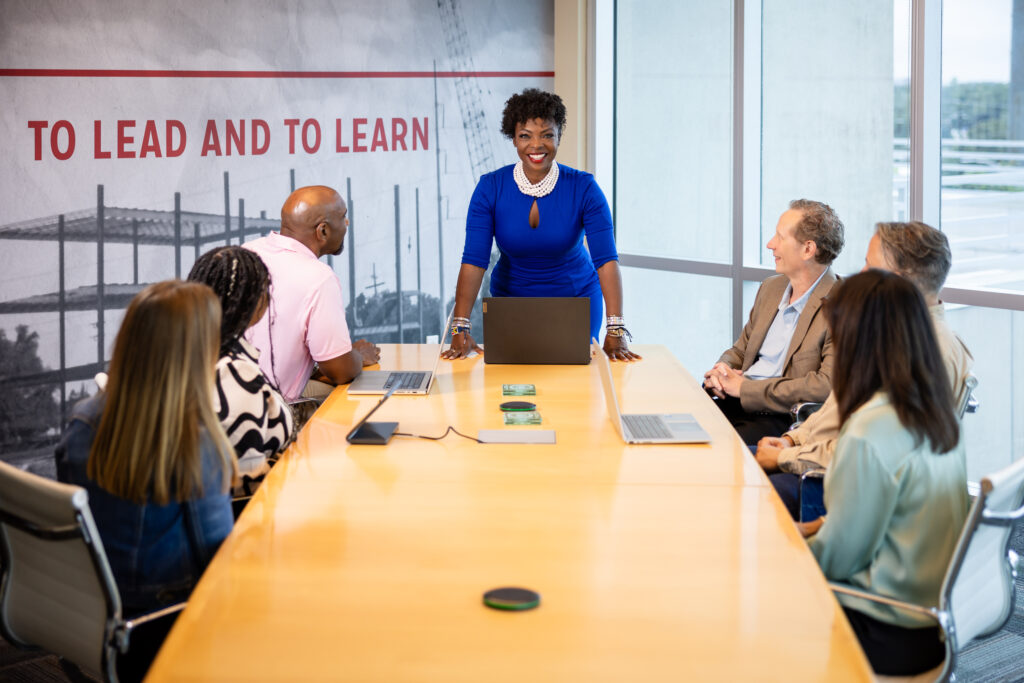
(541, 189)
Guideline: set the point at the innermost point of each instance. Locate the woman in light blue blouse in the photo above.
(896, 491)
(538, 212)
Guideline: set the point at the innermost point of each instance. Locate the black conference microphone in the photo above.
(374, 433)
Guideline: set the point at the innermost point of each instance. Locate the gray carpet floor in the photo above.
(1000, 657)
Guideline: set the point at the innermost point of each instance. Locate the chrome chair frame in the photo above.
(818, 474)
(801, 411)
(116, 631)
(957, 623)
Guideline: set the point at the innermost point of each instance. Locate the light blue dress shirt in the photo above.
(771, 357)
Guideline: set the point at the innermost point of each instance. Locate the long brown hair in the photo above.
(158, 395)
(885, 340)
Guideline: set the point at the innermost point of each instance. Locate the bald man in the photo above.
(303, 339)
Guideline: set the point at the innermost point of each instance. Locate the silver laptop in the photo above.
(663, 428)
(402, 381)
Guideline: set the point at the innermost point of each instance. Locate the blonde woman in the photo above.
(151, 451)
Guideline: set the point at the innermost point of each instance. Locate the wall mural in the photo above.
(137, 136)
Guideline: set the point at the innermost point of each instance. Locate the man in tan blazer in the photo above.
(921, 254)
(784, 354)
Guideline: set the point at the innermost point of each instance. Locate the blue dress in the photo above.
(156, 552)
(549, 260)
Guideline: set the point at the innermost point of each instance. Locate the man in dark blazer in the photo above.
(784, 354)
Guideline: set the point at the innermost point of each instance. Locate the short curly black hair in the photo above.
(529, 105)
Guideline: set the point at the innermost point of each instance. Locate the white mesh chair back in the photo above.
(56, 593)
(981, 573)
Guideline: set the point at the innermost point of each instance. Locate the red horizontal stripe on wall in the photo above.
(163, 73)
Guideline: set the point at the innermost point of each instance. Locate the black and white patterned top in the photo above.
(257, 419)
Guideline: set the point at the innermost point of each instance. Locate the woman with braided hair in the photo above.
(257, 419)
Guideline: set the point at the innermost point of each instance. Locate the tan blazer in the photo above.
(815, 439)
(807, 374)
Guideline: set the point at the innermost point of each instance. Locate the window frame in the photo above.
(925, 143)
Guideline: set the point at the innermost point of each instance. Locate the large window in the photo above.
(827, 114)
(723, 116)
(673, 141)
(673, 170)
(983, 142)
(687, 313)
(995, 337)
(982, 209)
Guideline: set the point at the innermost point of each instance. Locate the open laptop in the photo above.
(537, 330)
(402, 381)
(663, 428)
(373, 433)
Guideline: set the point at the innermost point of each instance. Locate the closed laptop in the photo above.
(537, 330)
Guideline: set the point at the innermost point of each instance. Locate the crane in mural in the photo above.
(471, 106)
(467, 88)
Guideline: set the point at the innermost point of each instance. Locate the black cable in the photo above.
(438, 438)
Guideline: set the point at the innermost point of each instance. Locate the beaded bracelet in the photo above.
(619, 331)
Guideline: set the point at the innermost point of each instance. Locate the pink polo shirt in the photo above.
(306, 318)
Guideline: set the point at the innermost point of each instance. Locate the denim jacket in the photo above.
(157, 552)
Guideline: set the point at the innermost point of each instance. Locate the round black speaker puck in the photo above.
(512, 599)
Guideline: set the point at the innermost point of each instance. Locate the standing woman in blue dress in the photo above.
(539, 212)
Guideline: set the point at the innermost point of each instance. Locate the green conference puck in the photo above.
(512, 599)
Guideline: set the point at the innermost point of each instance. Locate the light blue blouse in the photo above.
(895, 512)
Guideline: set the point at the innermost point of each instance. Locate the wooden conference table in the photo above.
(368, 563)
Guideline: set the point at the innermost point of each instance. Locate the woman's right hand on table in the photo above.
(462, 346)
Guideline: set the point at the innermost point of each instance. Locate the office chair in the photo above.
(977, 594)
(302, 409)
(57, 591)
(967, 402)
(801, 411)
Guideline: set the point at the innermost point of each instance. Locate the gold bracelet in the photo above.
(619, 331)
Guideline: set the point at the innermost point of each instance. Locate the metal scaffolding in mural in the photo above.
(178, 229)
(114, 225)
(386, 316)
(378, 317)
